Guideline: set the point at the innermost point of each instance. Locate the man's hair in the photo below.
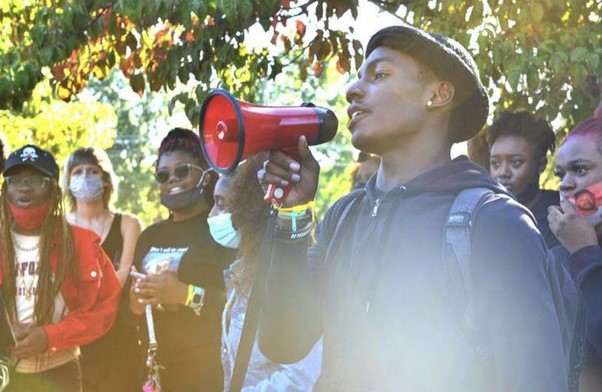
(535, 130)
(185, 140)
(54, 234)
(90, 156)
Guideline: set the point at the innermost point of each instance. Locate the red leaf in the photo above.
(300, 28)
(318, 68)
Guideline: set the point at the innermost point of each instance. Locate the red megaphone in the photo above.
(232, 130)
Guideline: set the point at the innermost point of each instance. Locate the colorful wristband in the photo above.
(300, 208)
(190, 295)
(296, 213)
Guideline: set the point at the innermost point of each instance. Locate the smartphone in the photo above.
(137, 275)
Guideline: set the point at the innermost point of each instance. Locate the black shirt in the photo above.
(113, 243)
(183, 337)
(540, 211)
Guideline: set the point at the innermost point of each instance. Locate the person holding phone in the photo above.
(183, 270)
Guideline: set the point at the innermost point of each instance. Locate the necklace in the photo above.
(25, 248)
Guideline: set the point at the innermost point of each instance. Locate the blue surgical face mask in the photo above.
(222, 230)
(87, 188)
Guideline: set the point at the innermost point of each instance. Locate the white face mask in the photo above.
(222, 231)
(87, 188)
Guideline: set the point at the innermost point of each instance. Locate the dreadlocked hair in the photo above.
(249, 214)
(54, 233)
(535, 130)
(185, 140)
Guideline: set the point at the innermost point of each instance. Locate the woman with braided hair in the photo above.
(59, 286)
(184, 270)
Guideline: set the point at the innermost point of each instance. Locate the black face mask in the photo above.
(183, 200)
(186, 199)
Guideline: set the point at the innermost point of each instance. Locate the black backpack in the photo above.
(567, 297)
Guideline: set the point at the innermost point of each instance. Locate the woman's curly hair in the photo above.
(249, 215)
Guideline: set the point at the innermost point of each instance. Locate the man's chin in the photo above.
(363, 142)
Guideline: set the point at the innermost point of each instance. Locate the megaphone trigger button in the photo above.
(278, 193)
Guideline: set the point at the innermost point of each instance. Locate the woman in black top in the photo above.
(184, 270)
(90, 186)
(518, 145)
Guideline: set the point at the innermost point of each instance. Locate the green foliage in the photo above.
(57, 126)
(539, 54)
(133, 155)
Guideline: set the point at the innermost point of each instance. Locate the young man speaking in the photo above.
(376, 284)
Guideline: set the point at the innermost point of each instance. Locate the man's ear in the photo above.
(442, 94)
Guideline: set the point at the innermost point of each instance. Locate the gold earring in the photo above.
(429, 103)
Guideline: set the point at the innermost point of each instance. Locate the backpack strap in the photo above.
(458, 278)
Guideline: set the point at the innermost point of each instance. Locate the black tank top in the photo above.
(113, 243)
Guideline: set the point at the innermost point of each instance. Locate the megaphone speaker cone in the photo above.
(232, 130)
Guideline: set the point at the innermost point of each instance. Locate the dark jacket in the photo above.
(377, 292)
(540, 212)
(585, 267)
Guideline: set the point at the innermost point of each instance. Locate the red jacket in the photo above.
(92, 299)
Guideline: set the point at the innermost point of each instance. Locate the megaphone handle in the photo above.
(276, 194)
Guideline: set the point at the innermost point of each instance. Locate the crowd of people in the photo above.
(371, 298)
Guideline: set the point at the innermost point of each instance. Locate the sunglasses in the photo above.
(180, 172)
(35, 182)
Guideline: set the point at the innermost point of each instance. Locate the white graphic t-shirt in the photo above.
(158, 259)
(27, 264)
